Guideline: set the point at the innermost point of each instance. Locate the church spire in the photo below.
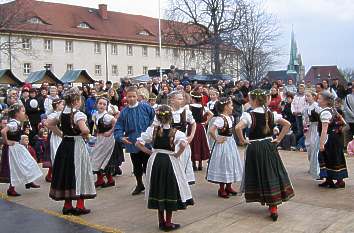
(293, 55)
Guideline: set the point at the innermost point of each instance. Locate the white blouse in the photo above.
(77, 116)
(107, 118)
(147, 136)
(247, 119)
(219, 121)
(13, 125)
(326, 116)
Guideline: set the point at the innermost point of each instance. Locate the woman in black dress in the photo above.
(72, 177)
(167, 187)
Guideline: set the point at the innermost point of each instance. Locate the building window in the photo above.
(84, 25)
(69, 67)
(114, 70)
(27, 68)
(114, 49)
(48, 45)
(26, 43)
(97, 47)
(49, 66)
(130, 70)
(129, 50)
(145, 51)
(35, 20)
(98, 70)
(69, 46)
(157, 52)
(175, 53)
(144, 33)
(145, 69)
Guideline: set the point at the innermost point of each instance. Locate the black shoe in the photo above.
(108, 184)
(195, 168)
(274, 217)
(200, 168)
(161, 226)
(68, 211)
(119, 171)
(32, 185)
(13, 193)
(79, 212)
(326, 184)
(339, 185)
(138, 189)
(171, 227)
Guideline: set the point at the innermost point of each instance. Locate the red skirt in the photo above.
(199, 145)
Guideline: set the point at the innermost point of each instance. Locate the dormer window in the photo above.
(84, 25)
(144, 33)
(35, 20)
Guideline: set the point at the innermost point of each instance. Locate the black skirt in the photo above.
(5, 165)
(332, 160)
(63, 186)
(115, 161)
(266, 180)
(164, 192)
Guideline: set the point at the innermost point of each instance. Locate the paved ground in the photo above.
(312, 209)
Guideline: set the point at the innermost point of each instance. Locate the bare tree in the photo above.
(256, 40)
(348, 73)
(13, 16)
(205, 24)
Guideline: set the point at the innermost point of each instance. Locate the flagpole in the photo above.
(160, 39)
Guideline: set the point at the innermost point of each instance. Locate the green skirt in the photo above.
(164, 192)
(266, 180)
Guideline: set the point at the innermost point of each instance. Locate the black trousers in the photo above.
(139, 161)
(351, 125)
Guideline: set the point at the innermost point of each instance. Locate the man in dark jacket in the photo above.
(338, 88)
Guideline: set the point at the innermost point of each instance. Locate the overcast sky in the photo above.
(324, 29)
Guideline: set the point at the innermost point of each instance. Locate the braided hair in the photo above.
(261, 97)
(71, 96)
(220, 104)
(164, 116)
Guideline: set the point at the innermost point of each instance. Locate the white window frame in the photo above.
(145, 69)
(157, 52)
(114, 49)
(115, 71)
(27, 68)
(98, 70)
(69, 46)
(83, 25)
(26, 43)
(69, 67)
(97, 48)
(145, 51)
(48, 45)
(130, 50)
(130, 70)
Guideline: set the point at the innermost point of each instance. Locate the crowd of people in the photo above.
(169, 127)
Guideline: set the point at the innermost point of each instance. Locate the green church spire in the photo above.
(293, 63)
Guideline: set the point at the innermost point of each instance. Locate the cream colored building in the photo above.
(109, 45)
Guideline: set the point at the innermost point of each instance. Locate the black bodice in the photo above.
(258, 127)
(314, 116)
(68, 126)
(15, 135)
(225, 131)
(182, 124)
(164, 141)
(101, 127)
(197, 113)
(331, 125)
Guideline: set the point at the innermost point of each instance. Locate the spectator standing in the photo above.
(275, 101)
(297, 109)
(349, 110)
(290, 87)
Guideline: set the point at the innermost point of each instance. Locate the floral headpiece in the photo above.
(259, 92)
(225, 101)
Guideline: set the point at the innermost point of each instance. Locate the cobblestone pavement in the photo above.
(313, 209)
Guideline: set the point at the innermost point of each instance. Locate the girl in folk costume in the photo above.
(225, 166)
(331, 154)
(312, 141)
(265, 179)
(55, 136)
(17, 165)
(183, 118)
(167, 187)
(102, 155)
(72, 177)
(199, 144)
(25, 141)
(214, 96)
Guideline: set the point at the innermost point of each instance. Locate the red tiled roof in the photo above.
(63, 19)
(324, 72)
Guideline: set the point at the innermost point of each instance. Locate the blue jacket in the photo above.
(132, 122)
(90, 106)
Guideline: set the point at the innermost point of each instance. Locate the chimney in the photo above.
(103, 11)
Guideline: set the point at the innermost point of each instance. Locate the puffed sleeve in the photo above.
(189, 116)
(277, 117)
(79, 116)
(54, 116)
(247, 119)
(146, 137)
(12, 126)
(219, 122)
(179, 137)
(107, 119)
(325, 116)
